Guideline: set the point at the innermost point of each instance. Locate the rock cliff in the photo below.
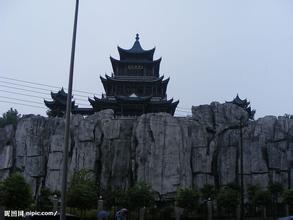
(164, 151)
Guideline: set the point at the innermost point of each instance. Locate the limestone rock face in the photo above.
(164, 151)
(6, 150)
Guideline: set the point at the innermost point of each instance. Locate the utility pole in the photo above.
(241, 172)
(67, 122)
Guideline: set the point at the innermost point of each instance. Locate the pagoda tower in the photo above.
(57, 107)
(243, 103)
(135, 86)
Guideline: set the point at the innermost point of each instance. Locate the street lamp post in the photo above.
(67, 122)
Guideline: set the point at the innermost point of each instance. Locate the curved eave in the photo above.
(157, 64)
(175, 103)
(60, 93)
(124, 54)
(136, 51)
(165, 85)
(49, 104)
(114, 63)
(104, 82)
(98, 100)
(166, 81)
(54, 104)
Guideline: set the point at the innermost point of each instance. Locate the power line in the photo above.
(17, 93)
(5, 97)
(32, 87)
(42, 84)
(17, 103)
(32, 96)
(58, 87)
(28, 90)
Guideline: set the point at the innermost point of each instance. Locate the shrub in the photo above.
(15, 193)
(187, 198)
(82, 191)
(140, 195)
(228, 198)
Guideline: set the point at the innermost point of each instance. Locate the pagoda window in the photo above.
(159, 91)
(128, 90)
(148, 90)
(135, 69)
(140, 90)
(109, 89)
(119, 89)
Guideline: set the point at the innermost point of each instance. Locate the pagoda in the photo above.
(57, 107)
(243, 103)
(135, 86)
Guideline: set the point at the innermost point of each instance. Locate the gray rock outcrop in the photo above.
(164, 151)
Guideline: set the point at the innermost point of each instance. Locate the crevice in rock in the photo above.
(72, 143)
(85, 141)
(191, 167)
(163, 157)
(98, 161)
(133, 164)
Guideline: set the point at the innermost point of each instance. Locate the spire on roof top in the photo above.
(137, 37)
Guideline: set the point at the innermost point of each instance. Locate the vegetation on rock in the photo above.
(10, 117)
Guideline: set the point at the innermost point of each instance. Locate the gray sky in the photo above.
(211, 50)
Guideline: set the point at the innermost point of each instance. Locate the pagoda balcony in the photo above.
(138, 77)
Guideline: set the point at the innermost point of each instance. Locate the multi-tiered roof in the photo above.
(58, 104)
(135, 87)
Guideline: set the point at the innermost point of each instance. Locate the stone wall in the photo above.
(164, 151)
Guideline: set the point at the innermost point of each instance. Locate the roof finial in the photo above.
(137, 37)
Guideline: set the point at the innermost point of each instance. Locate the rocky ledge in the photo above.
(164, 151)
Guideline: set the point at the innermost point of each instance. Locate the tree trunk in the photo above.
(287, 210)
(178, 212)
(141, 213)
(210, 209)
(264, 213)
(238, 212)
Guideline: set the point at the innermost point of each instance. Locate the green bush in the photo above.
(187, 198)
(288, 196)
(15, 193)
(82, 191)
(228, 198)
(44, 202)
(208, 191)
(262, 198)
(140, 195)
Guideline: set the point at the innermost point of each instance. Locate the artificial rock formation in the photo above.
(164, 151)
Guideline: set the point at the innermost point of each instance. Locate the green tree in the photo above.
(208, 192)
(15, 192)
(44, 202)
(288, 196)
(228, 198)
(117, 197)
(262, 198)
(252, 190)
(82, 191)
(276, 190)
(140, 195)
(187, 198)
(10, 117)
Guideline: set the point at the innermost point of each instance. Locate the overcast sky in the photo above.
(211, 50)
